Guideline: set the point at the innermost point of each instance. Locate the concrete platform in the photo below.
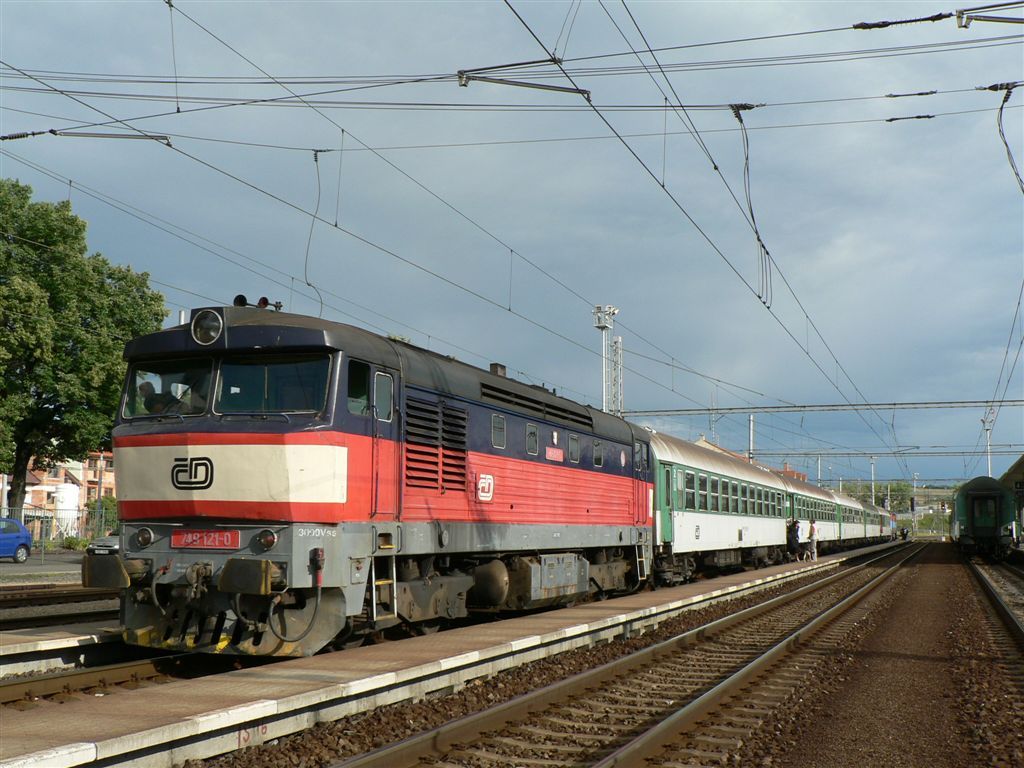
(166, 724)
(32, 650)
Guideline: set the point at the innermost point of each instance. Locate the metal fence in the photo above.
(54, 530)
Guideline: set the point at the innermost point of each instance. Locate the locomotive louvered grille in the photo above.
(422, 444)
(435, 446)
(523, 402)
(453, 464)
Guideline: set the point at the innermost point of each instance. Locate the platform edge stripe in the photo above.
(243, 713)
(463, 659)
(56, 644)
(524, 642)
(365, 684)
(78, 753)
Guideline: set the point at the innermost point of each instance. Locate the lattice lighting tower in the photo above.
(603, 322)
(617, 396)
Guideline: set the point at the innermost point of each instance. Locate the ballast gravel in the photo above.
(920, 683)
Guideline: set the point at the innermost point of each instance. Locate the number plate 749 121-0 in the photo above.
(187, 539)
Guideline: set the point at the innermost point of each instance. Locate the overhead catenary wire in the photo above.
(141, 216)
(382, 249)
(707, 238)
(765, 259)
(440, 199)
(356, 147)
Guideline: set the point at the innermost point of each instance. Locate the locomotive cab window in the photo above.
(532, 440)
(358, 388)
(172, 387)
(383, 396)
(273, 384)
(574, 449)
(497, 430)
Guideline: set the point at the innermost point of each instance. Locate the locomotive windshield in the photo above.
(179, 387)
(263, 384)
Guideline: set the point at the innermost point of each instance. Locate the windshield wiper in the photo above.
(255, 415)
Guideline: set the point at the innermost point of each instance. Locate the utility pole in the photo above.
(99, 497)
(750, 449)
(819, 470)
(872, 481)
(603, 315)
(913, 507)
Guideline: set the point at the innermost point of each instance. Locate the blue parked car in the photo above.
(15, 540)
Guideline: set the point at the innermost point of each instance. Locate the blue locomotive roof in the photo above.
(249, 329)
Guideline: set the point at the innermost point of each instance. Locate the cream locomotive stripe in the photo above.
(269, 473)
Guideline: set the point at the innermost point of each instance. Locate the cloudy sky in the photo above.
(486, 221)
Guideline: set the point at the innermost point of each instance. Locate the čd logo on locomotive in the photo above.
(192, 474)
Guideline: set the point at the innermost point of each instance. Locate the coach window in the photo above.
(598, 454)
(714, 507)
(497, 430)
(574, 449)
(532, 440)
(679, 489)
(691, 485)
(358, 388)
(734, 498)
(383, 396)
(743, 499)
(702, 493)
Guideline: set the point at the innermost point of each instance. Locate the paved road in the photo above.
(41, 568)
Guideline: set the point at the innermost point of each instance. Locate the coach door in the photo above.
(386, 450)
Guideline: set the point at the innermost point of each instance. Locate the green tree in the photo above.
(899, 494)
(64, 319)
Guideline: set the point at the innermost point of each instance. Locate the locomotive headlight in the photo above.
(144, 537)
(266, 538)
(207, 327)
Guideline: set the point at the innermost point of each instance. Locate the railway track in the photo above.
(40, 605)
(1004, 585)
(32, 595)
(637, 709)
(56, 687)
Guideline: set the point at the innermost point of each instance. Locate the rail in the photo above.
(509, 718)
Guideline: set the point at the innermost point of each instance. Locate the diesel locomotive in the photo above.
(288, 484)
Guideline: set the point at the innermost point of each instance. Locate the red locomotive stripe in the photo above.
(281, 511)
(235, 438)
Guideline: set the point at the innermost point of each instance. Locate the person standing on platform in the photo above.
(812, 538)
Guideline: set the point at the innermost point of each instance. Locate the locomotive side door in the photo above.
(387, 454)
(643, 500)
